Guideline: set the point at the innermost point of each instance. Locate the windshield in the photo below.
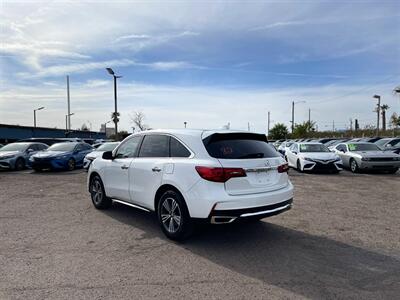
(382, 142)
(62, 147)
(15, 147)
(107, 147)
(363, 147)
(313, 148)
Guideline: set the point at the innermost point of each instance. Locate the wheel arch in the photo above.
(162, 189)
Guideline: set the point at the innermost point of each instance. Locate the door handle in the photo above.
(123, 167)
(156, 169)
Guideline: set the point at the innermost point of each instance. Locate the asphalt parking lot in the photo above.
(340, 240)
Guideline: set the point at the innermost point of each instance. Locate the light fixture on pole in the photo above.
(185, 123)
(378, 111)
(115, 114)
(34, 115)
(293, 104)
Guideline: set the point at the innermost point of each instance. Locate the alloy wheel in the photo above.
(97, 191)
(353, 166)
(171, 215)
(71, 164)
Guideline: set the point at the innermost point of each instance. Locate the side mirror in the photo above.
(107, 155)
(294, 152)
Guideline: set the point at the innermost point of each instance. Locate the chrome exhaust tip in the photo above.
(222, 219)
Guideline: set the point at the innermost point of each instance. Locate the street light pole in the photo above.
(111, 72)
(105, 127)
(68, 121)
(378, 111)
(185, 123)
(34, 115)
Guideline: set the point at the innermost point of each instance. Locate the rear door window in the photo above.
(239, 146)
(155, 146)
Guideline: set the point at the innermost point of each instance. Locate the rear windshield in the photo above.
(239, 146)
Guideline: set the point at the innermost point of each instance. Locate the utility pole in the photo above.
(69, 106)
(269, 122)
(185, 123)
(292, 117)
(351, 125)
(34, 115)
(248, 126)
(378, 112)
(293, 103)
(309, 116)
(333, 125)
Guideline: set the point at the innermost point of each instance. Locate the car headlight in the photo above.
(31, 158)
(307, 158)
(7, 156)
(337, 159)
(365, 158)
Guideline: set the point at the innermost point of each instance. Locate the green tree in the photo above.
(304, 129)
(278, 132)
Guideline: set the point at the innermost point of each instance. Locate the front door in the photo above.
(148, 168)
(117, 175)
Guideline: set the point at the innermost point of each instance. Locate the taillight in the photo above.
(283, 168)
(219, 174)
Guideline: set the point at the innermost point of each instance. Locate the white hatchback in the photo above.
(188, 175)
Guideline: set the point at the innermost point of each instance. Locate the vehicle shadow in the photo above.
(308, 265)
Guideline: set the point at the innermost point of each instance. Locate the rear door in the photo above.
(252, 153)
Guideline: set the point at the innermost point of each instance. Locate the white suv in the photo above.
(185, 175)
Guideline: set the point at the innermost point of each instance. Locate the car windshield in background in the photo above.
(67, 146)
(363, 147)
(239, 146)
(15, 147)
(313, 148)
(107, 147)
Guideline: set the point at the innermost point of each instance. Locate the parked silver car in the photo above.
(16, 156)
(367, 156)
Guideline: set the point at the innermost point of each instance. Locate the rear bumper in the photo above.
(228, 216)
(205, 198)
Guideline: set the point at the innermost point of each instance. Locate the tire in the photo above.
(98, 194)
(298, 166)
(19, 164)
(37, 169)
(173, 216)
(71, 164)
(354, 166)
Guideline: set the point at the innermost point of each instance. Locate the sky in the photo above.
(207, 63)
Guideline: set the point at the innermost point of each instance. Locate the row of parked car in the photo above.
(55, 154)
(369, 154)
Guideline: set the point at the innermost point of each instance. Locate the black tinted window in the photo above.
(177, 149)
(239, 146)
(128, 148)
(155, 146)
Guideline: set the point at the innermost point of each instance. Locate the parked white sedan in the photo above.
(313, 157)
(182, 175)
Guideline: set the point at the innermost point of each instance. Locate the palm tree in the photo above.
(384, 108)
